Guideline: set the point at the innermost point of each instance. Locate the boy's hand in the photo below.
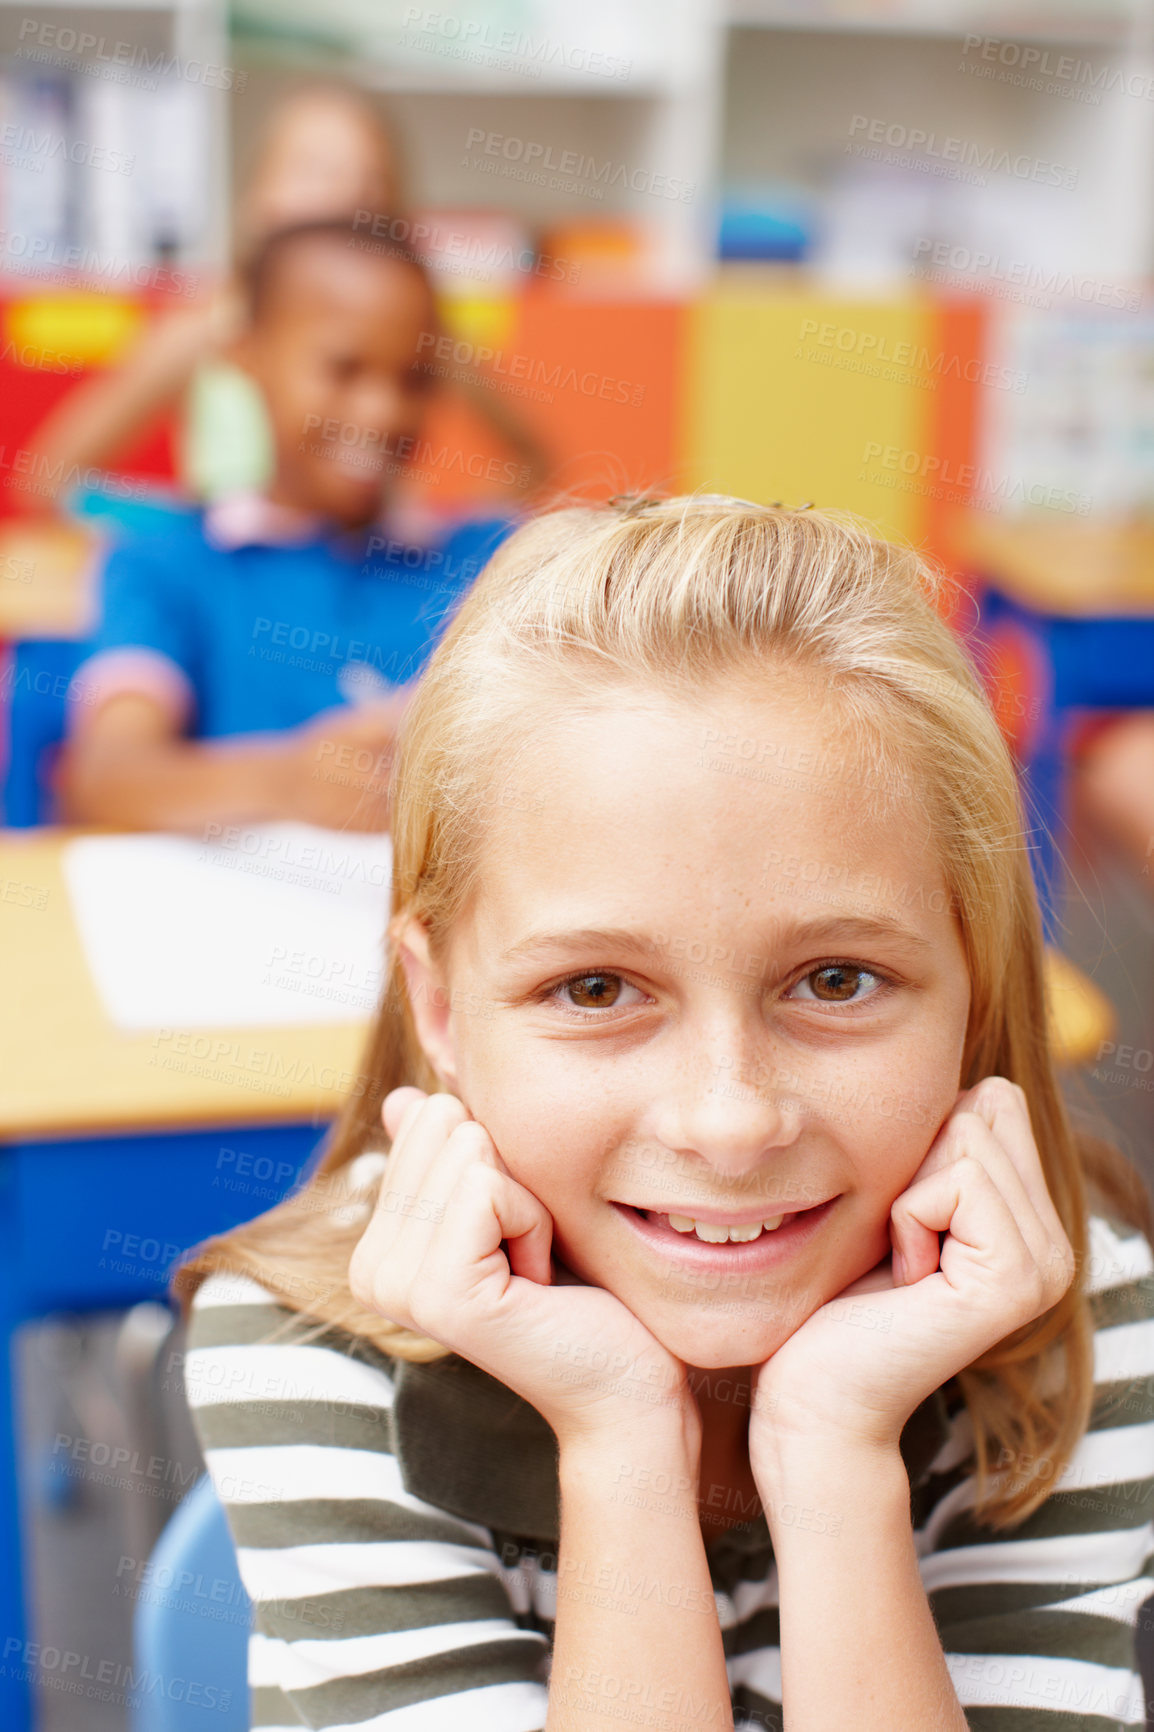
(457, 1250)
(978, 1252)
(341, 762)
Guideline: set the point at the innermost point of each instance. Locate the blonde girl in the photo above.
(737, 1332)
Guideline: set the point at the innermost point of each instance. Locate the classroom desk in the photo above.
(118, 1151)
(1075, 569)
(1070, 606)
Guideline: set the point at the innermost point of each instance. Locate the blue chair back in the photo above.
(191, 1626)
(33, 694)
(35, 672)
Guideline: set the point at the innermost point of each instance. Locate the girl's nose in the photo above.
(730, 1112)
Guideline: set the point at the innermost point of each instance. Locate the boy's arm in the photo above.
(103, 414)
(128, 766)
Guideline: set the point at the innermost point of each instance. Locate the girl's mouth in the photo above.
(771, 1246)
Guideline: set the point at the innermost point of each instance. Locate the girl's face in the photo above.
(323, 159)
(712, 972)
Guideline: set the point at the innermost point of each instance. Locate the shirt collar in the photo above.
(251, 520)
(467, 1443)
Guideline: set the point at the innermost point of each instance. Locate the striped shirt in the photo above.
(396, 1528)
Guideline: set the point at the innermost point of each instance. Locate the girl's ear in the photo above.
(428, 996)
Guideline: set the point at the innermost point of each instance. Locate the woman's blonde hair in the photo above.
(678, 594)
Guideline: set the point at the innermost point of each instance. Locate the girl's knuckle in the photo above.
(1060, 1271)
(359, 1288)
(961, 1131)
(446, 1109)
(476, 1181)
(470, 1136)
(424, 1297)
(371, 1288)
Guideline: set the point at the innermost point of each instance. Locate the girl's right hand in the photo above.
(433, 1259)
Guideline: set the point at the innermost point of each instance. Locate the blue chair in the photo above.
(35, 673)
(1092, 662)
(191, 1626)
(35, 682)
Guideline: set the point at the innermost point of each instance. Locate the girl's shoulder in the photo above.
(255, 1366)
(258, 1373)
(1119, 1259)
(1119, 1286)
(226, 1289)
(1117, 1448)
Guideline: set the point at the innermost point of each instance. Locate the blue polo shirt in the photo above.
(256, 637)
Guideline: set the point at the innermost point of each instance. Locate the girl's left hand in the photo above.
(861, 1364)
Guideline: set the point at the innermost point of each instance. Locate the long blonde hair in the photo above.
(673, 593)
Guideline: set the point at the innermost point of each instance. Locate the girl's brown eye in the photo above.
(837, 983)
(594, 991)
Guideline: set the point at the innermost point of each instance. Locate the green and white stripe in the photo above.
(379, 1611)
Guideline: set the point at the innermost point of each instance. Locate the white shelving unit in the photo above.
(706, 96)
(916, 67)
(146, 81)
(730, 93)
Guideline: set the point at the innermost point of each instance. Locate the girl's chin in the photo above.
(721, 1343)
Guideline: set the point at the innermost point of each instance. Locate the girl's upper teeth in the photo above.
(715, 1234)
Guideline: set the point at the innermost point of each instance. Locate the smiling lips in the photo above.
(716, 1229)
(712, 1241)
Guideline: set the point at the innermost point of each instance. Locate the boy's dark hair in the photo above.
(267, 264)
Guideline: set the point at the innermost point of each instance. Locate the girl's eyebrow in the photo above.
(580, 938)
(846, 926)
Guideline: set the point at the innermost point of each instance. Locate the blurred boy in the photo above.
(248, 661)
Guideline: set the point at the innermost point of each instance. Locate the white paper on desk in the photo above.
(284, 926)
